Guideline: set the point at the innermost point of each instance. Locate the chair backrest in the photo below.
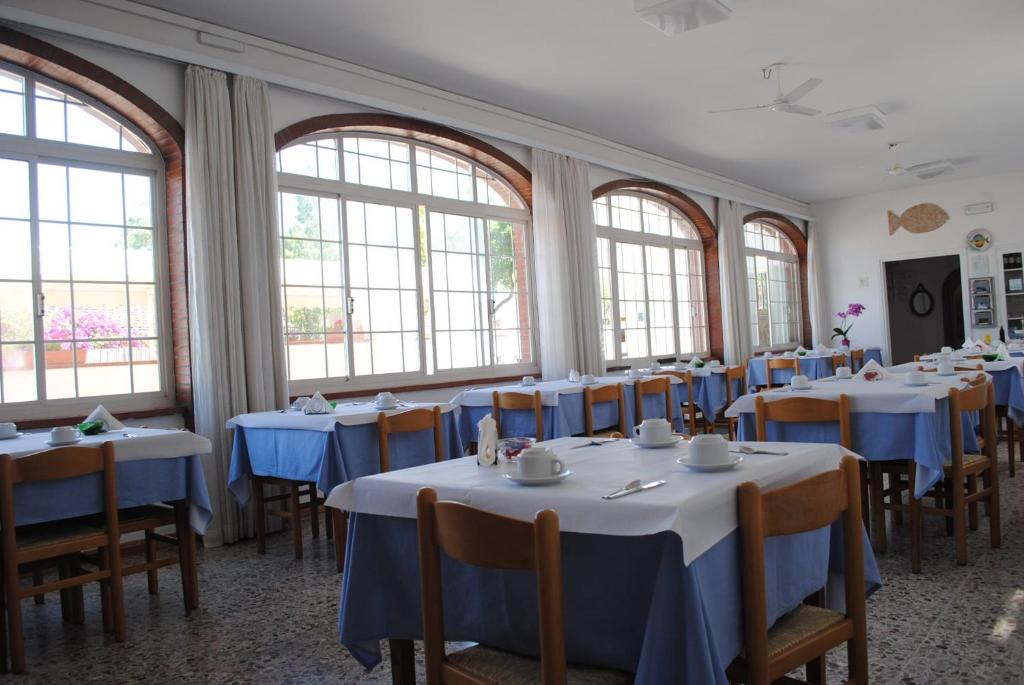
(801, 507)
(60, 463)
(411, 421)
(973, 356)
(804, 410)
(655, 386)
(856, 359)
(733, 374)
(838, 359)
(979, 397)
(480, 538)
(521, 401)
(779, 363)
(606, 393)
(687, 378)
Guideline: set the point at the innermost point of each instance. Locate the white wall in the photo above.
(855, 240)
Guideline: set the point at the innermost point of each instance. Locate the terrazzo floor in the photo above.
(272, 619)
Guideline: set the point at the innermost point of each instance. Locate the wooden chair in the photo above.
(655, 386)
(809, 632)
(689, 408)
(773, 363)
(856, 360)
(957, 495)
(517, 400)
(412, 421)
(838, 359)
(608, 393)
(737, 375)
(480, 538)
(60, 540)
(294, 492)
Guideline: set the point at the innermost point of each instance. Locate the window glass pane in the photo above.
(14, 181)
(95, 196)
(376, 162)
(632, 300)
(443, 175)
(493, 191)
(601, 211)
(12, 113)
(625, 212)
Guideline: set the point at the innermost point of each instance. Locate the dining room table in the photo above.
(889, 420)
(814, 364)
(1007, 380)
(154, 465)
(564, 410)
(652, 580)
(328, 449)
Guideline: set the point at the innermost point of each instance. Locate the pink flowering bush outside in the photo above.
(90, 324)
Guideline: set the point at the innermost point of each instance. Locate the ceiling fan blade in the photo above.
(802, 90)
(738, 109)
(797, 109)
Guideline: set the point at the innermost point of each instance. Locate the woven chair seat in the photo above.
(802, 623)
(497, 666)
(44, 534)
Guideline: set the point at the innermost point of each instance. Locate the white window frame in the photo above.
(781, 257)
(643, 239)
(37, 151)
(343, 191)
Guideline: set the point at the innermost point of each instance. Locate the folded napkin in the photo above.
(820, 348)
(1002, 353)
(574, 376)
(767, 354)
(968, 344)
(100, 413)
(317, 404)
(872, 371)
(487, 442)
(696, 363)
(801, 350)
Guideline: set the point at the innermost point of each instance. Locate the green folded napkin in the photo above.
(92, 427)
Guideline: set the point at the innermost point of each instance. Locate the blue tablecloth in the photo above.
(139, 482)
(1009, 389)
(812, 367)
(922, 437)
(329, 458)
(630, 602)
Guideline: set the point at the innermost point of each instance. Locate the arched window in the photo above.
(83, 278)
(401, 259)
(773, 278)
(651, 266)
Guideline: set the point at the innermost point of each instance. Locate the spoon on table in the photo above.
(745, 449)
(593, 443)
(631, 485)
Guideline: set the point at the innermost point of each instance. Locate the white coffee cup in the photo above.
(914, 378)
(844, 372)
(385, 399)
(714, 363)
(538, 462)
(8, 430)
(587, 379)
(708, 449)
(946, 350)
(653, 431)
(800, 382)
(63, 434)
(635, 373)
(788, 354)
(529, 380)
(946, 368)
(956, 355)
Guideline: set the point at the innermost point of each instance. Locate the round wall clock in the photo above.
(979, 240)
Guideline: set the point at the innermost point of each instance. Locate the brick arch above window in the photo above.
(708, 238)
(166, 133)
(799, 240)
(501, 163)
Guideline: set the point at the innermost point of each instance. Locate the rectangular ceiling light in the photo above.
(672, 17)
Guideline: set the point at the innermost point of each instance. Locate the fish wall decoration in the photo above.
(922, 218)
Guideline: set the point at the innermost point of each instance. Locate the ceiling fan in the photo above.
(923, 171)
(783, 102)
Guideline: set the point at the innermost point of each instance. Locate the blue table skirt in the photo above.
(329, 459)
(140, 482)
(1009, 389)
(630, 602)
(813, 368)
(567, 418)
(922, 437)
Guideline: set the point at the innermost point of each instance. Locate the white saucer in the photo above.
(915, 385)
(385, 407)
(710, 468)
(543, 480)
(947, 375)
(593, 382)
(657, 445)
(51, 443)
(12, 437)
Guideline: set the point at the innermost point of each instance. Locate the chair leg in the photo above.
(106, 605)
(816, 671)
(66, 609)
(340, 536)
(877, 487)
(37, 579)
(959, 524)
(994, 520)
(895, 483)
(261, 515)
(186, 557)
(77, 593)
(296, 520)
(17, 640)
(915, 520)
(314, 514)
(4, 653)
(972, 508)
(328, 519)
(116, 583)
(947, 502)
(865, 496)
(152, 577)
(1011, 440)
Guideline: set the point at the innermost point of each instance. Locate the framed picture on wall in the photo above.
(983, 318)
(983, 301)
(1015, 285)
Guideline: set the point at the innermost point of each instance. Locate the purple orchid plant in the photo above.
(845, 324)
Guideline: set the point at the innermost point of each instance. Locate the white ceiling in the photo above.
(949, 73)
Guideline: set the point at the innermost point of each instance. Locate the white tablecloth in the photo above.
(143, 443)
(549, 390)
(889, 396)
(350, 414)
(1017, 362)
(699, 507)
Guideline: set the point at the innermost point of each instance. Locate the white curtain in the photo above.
(229, 332)
(732, 265)
(821, 328)
(565, 256)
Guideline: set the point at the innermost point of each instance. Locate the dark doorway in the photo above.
(926, 308)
